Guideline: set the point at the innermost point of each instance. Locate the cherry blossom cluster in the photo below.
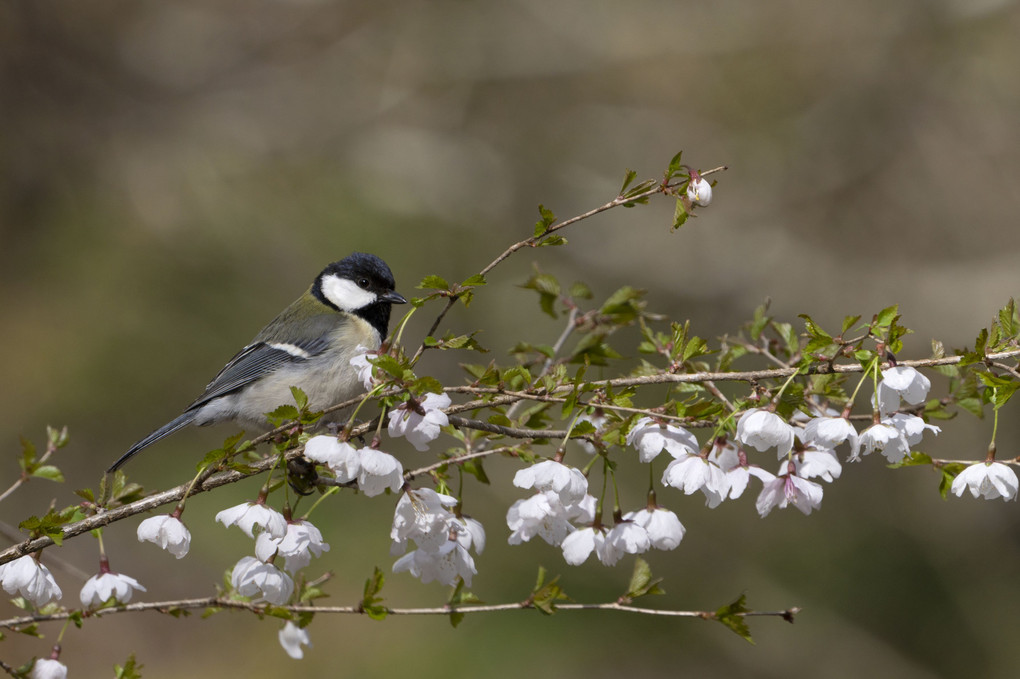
(442, 538)
(563, 514)
(295, 541)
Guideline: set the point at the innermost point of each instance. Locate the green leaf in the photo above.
(48, 471)
(27, 454)
(474, 281)
(548, 289)
(388, 365)
(731, 616)
(129, 670)
(641, 581)
(864, 357)
(680, 213)
(622, 303)
(949, 472)
(972, 405)
(813, 329)
(1008, 319)
(299, 398)
(848, 323)
(449, 341)
(551, 240)
(1002, 388)
(372, 602)
(426, 384)
(516, 378)
(885, 318)
(433, 282)
(627, 180)
(51, 524)
(459, 597)
(675, 166)
(789, 335)
(545, 594)
(693, 348)
(580, 290)
(474, 468)
(282, 414)
(760, 321)
(547, 219)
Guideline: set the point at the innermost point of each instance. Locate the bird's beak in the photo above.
(393, 297)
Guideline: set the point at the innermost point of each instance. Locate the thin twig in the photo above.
(533, 240)
(1011, 370)
(50, 449)
(148, 503)
(409, 475)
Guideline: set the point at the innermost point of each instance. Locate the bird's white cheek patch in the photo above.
(345, 294)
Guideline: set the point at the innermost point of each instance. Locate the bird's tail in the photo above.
(180, 422)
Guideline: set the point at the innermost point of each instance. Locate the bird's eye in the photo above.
(363, 283)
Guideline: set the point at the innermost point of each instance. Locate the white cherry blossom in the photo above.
(472, 534)
(343, 459)
(989, 480)
(829, 432)
(786, 489)
(884, 438)
(736, 471)
(650, 438)
(292, 638)
(261, 581)
(445, 565)
(103, 586)
(542, 514)
(821, 462)
(422, 515)
(692, 473)
(166, 531)
(48, 668)
(901, 382)
(378, 472)
(625, 537)
(360, 363)
(420, 421)
(911, 426)
(662, 526)
(699, 191)
(762, 430)
(579, 545)
(302, 541)
(251, 515)
(567, 482)
(29, 578)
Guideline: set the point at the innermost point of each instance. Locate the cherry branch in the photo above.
(177, 605)
(705, 376)
(500, 397)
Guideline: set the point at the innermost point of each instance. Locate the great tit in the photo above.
(309, 346)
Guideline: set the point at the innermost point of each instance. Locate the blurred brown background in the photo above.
(176, 173)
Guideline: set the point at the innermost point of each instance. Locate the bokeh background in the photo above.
(174, 173)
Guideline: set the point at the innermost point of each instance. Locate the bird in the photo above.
(309, 345)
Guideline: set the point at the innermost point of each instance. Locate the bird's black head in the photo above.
(360, 284)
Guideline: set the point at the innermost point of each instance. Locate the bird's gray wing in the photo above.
(258, 360)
